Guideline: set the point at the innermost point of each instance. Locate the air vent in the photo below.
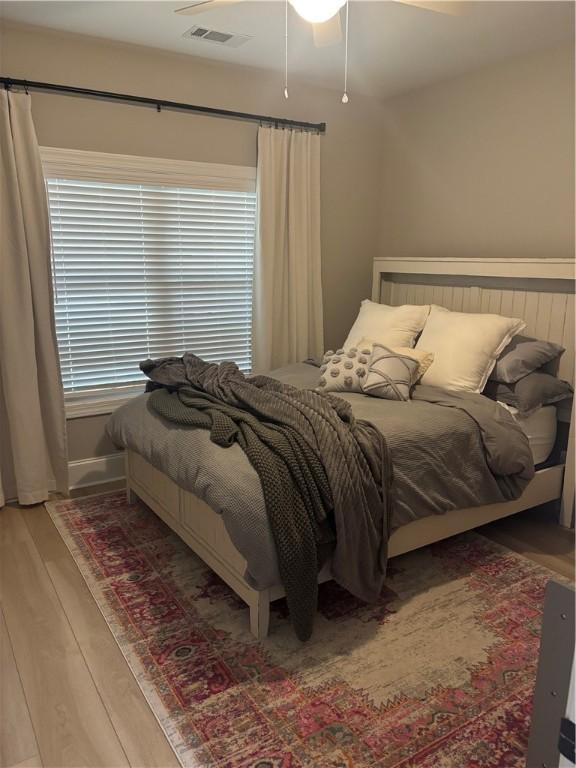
(216, 36)
(200, 32)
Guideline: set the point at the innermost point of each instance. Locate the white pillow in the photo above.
(391, 326)
(465, 347)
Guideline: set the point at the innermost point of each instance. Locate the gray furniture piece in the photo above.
(552, 700)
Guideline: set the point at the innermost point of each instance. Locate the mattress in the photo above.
(540, 429)
(463, 455)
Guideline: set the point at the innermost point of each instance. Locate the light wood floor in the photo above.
(67, 697)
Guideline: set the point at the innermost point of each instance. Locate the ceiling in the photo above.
(392, 47)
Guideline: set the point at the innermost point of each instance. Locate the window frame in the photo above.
(134, 169)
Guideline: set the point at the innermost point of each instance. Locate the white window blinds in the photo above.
(145, 270)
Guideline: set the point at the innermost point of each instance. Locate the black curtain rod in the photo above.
(33, 85)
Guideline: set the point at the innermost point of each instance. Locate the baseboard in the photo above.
(96, 471)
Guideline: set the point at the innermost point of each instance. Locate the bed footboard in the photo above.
(205, 533)
(202, 529)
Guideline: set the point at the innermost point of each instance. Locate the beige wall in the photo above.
(480, 165)
(351, 148)
(483, 165)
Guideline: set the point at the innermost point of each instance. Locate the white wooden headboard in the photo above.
(540, 291)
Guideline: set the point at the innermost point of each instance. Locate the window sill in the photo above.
(98, 405)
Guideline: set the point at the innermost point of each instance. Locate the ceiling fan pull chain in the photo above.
(286, 51)
(345, 94)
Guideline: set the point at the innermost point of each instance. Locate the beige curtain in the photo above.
(287, 316)
(32, 426)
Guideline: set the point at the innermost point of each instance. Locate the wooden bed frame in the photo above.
(539, 290)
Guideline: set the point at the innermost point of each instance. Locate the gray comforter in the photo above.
(449, 450)
(321, 470)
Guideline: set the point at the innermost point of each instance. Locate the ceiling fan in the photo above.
(324, 15)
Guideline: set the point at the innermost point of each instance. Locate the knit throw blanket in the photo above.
(320, 469)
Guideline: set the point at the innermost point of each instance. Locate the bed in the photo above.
(527, 288)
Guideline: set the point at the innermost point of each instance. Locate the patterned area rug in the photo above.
(439, 674)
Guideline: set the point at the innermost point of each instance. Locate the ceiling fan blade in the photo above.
(449, 7)
(327, 33)
(203, 5)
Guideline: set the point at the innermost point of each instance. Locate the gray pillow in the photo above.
(390, 374)
(522, 356)
(530, 392)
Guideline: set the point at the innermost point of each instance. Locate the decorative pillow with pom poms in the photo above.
(345, 370)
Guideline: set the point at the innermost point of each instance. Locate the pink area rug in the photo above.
(439, 674)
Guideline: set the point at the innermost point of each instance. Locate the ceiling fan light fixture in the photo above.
(317, 11)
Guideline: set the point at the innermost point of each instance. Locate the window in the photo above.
(150, 258)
